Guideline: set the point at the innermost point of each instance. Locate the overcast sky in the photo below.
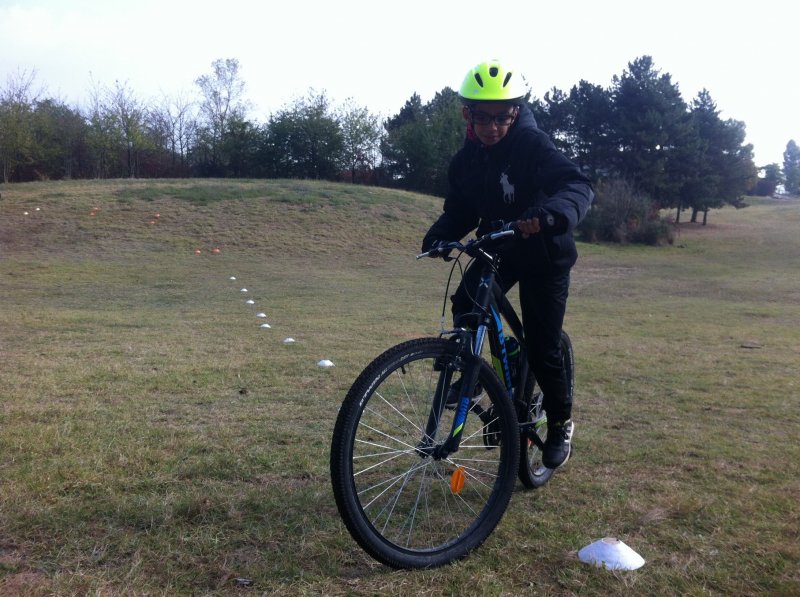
(380, 53)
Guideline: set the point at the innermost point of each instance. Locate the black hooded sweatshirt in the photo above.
(523, 174)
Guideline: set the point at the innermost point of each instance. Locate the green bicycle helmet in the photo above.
(490, 81)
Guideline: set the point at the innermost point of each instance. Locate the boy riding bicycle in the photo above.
(509, 170)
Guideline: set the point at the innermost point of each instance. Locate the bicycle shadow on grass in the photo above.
(303, 536)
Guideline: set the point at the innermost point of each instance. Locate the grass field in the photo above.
(154, 439)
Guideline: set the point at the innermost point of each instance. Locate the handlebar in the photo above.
(475, 246)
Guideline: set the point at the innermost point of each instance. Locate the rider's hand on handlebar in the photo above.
(527, 226)
(438, 250)
(537, 219)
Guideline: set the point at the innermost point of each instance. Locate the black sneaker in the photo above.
(558, 445)
(454, 394)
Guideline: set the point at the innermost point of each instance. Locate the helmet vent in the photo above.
(507, 79)
(493, 71)
(478, 79)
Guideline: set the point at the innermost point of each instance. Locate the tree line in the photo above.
(638, 138)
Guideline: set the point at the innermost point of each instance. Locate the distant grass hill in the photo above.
(249, 215)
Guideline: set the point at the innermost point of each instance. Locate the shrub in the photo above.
(622, 215)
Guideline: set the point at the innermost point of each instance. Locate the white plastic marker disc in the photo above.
(262, 315)
(244, 289)
(611, 553)
(232, 278)
(288, 340)
(265, 326)
(249, 302)
(325, 363)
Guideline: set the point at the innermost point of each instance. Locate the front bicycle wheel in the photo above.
(404, 506)
(532, 472)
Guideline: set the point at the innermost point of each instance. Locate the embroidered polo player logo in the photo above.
(508, 188)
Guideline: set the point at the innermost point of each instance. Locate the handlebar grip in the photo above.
(434, 252)
(506, 231)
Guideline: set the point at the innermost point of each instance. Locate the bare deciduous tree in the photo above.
(222, 101)
(174, 123)
(128, 114)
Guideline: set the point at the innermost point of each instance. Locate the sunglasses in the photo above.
(499, 119)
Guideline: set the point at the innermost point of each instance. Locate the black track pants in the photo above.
(543, 302)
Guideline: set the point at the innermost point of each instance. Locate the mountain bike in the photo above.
(431, 436)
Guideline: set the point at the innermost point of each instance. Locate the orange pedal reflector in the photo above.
(457, 480)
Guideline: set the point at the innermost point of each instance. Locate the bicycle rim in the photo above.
(532, 472)
(406, 509)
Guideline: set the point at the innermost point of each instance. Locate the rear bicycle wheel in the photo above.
(532, 472)
(404, 507)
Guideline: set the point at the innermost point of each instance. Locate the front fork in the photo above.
(469, 379)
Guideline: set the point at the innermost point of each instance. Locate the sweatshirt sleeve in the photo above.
(567, 191)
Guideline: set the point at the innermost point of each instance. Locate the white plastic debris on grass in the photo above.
(611, 553)
(232, 278)
(325, 363)
(261, 315)
(244, 290)
(265, 326)
(249, 302)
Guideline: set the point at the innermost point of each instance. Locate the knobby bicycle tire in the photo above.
(405, 509)
(532, 472)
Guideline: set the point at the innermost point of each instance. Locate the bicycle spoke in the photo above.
(387, 436)
(377, 464)
(396, 410)
(390, 482)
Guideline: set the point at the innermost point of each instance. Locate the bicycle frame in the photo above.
(490, 308)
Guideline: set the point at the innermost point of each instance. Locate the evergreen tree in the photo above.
(408, 147)
(734, 159)
(555, 116)
(719, 168)
(651, 130)
(791, 168)
(579, 124)
(592, 136)
(769, 180)
(447, 131)
(421, 139)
